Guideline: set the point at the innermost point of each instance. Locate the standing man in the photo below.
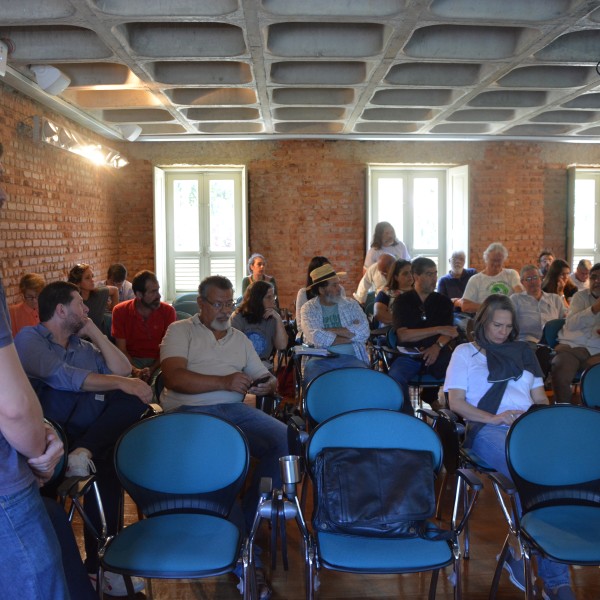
(578, 341)
(139, 325)
(580, 277)
(84, 386)
(454, 283)
(423, 318)
(333, 322)
(375, 277)
(29, 551)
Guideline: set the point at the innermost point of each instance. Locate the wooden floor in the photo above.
(488, 530)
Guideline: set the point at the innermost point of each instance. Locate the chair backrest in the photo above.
(347, 389)
(550, 332)
(375, 428)
(186, 303)
(552, 455)
(183, 315)
(182, 461)
(590, 386)
(370, 304)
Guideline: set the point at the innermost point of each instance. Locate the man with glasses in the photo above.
(209, 367)
(579, 340)
(26, 313)
(423, 320)
(535, 307)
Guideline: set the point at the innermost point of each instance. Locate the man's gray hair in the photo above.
(214, 281)
(528, 268)
(495, 247)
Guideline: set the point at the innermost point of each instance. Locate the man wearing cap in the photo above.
(331, 321)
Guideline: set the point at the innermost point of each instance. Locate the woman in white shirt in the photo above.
(490, 382)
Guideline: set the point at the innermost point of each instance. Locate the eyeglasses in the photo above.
(219, 305)
(530, 279)
(31, 298)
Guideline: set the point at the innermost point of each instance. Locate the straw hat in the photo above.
(323, 273)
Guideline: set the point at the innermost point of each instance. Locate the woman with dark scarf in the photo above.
(490, 382)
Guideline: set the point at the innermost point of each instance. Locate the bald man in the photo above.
(375, 277)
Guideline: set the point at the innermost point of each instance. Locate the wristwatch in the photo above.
(440, 345)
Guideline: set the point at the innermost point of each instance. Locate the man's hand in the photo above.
(89, 329)
(143, 374)
(137, 387)
(266, 388)
(43, 466)
(430, 355)
(237, 382)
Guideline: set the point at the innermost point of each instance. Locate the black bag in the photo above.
(382, 492)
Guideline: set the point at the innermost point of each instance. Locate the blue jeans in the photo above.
(489, 444)
(316, 366)
(30, 559)
(267, 440)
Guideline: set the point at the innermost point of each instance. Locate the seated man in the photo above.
(84, 386)
(26, 312)
(535, 307)
(453, 284)
(580, 277)
(578, 341)
(545, 260)
(333, 322)
(494, 279)
(375, 277)
(209, 367)
(117, 277)
(423, 319)
(139, 325)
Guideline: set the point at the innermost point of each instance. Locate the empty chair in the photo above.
(552, 456)
(186, 303)
(184, 472)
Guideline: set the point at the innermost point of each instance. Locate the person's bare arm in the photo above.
(179, 378)
(113, 295)
(116, 361)
(43, 466)
(459, 404)
(21, 419)
(446, 333)
(469, 306)
(538, 395)
(382, 313)
(281, 337)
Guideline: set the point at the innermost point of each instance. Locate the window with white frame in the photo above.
(200, 221)
(428, 208)
(584, 215)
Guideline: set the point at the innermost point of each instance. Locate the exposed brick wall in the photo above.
(306, 197)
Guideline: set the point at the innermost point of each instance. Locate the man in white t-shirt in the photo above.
(494, 279)
(581, 275)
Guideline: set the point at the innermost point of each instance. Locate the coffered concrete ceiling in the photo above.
(410, 69)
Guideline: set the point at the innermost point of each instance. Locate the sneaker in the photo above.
(263, 590)
(514, 568)
(113, 584)
(562, 592)
(79, 465)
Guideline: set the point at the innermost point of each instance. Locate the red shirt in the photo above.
(142, 336)
(22, 315)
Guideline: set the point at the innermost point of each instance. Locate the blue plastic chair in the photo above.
(186, 303)
(375, 428)
(590, 387)
(550, 332)
(184, 471)
(552, 455)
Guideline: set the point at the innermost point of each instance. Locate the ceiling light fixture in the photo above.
(130, 132)
(47, 131)
(50, 79)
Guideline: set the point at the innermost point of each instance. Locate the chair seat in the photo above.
(382, 555)
(476, 460)
(175, 546)
(566, 533)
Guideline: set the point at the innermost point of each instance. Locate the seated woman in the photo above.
(26, 313)
(304, 294)
(258, 318)
(490, 382)
(257, 264)
(385, 241)
(557, 281)
(95, 298)
(400, 280)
